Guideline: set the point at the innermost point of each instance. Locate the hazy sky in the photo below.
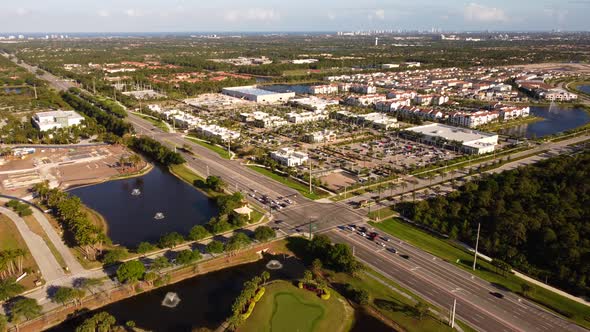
(289, 15)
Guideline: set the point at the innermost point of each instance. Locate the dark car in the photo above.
(404, 256)
(498, 295)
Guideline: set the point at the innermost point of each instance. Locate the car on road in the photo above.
(391, 249)
(278, 221)
(404, 256)
(276, 228)
(385, 238)
(498, 295)
(298, 230)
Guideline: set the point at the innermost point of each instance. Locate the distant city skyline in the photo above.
(27, 16)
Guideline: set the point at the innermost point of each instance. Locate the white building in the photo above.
(314, 103)
(558, 95)
(56, 119)
(289, 157)
(321, 136)
(185, 120)
(509, 113)
(304, 117)
(473, 142)
(325, 89)
(217, 132)
(255, 94)
(365, 100)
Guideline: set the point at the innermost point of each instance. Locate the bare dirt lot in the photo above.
(63, 167)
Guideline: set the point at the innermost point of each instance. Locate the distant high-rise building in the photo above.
(377, 41)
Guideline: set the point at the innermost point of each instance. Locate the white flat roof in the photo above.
(451, 133)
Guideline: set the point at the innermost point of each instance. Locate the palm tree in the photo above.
(265, 275)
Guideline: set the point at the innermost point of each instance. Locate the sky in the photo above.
(291, 15)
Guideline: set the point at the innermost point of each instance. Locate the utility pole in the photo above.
(35, 89)
(476, 245)
(452, 322)
(94, 86)
(310, 190)
(229, 147)
(207, 170)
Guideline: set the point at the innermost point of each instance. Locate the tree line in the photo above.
(68, 210)
(107, 105)
(534, 218)
(111, 123)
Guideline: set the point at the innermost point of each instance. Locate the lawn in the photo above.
(11, 239)
(285, 307)
(300, 187)
(215, 148)
(382, 213)
(456, 255)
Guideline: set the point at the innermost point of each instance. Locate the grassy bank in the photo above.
(215, 148)
(458, 256)
(293, 184)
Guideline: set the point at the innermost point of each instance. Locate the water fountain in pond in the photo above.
(170, 300)
(159, 216)
(552, 107)
(274, 265)
(136, 192)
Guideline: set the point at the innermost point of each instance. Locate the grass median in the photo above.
(215, 148)
(289, 182)
(458, 256)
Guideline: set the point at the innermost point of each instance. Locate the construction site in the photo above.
(64, 167)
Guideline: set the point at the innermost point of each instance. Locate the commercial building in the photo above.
(217, 132)
(304, 117)
(289, 157)
(314, 103)
(377, 120)
(255, 94)
(56, 119)
(472, 141)
(321, 136)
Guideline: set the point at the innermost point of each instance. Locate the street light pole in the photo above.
(476, 245)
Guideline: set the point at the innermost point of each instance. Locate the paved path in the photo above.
(71, 262)
(48, 265)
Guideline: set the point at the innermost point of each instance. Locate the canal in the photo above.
(132, 207)
(556, 119)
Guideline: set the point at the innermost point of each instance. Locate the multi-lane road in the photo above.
(437, 281)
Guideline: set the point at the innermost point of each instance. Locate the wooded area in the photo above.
(536, 218)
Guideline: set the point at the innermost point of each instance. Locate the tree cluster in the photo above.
(535, 218)
(156, 151)
(68, 210)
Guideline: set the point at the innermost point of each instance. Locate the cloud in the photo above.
(22, 11)
(331, 16)
(558, 14)
(133, 13)
(104, 13)
(479, 13)
(380, 14)
(254, 14)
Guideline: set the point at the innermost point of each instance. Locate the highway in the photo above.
(440, 282)
(435, 280)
